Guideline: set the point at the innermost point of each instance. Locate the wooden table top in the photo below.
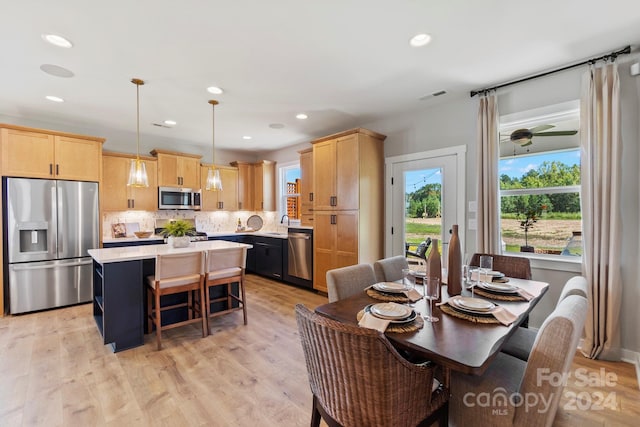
(459, 344)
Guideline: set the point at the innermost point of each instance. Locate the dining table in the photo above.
(452, 342)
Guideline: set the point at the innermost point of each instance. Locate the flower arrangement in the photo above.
(531, 216)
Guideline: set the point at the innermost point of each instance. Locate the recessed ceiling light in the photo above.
(276, 126)
(215, 90)
(54, 98)
(57, 40)
(301, 116)
(420, 40)
(170, 122)
(246, 137)
(56, 70)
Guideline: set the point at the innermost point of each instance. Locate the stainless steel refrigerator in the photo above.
(50, 225)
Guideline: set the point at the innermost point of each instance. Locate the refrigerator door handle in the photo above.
(30, 266)
(54, 221)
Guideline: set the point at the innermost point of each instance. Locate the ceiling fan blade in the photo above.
(557, 133)
(541, 128)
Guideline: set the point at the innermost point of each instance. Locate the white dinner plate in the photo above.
(391, 310)
(475, 305)
(498, 287)
(408, 319)
(390, 287)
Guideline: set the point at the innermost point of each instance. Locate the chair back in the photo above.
(179, 267)
(346, 281)
(551, 357)
(577, 285)
(390, 269)
(229, 258)
(358, 377)
(512, 266)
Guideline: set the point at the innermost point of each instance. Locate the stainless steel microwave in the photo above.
(179, 198)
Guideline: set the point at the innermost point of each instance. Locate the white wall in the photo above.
(454, 123)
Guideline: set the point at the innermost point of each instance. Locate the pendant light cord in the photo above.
(213, 103)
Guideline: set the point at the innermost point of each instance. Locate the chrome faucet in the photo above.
(288, 220)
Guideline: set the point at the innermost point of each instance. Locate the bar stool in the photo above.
(176, 273)
(224, 268)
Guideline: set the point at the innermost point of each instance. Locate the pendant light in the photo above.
(214, 183)
(138, 171)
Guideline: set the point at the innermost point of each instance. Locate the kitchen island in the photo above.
(119, 287)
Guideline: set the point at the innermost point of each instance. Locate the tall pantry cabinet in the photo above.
(348, 193)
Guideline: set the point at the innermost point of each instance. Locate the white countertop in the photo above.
(160, 239)
(133, 253)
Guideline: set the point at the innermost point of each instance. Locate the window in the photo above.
(289, 190)
(540, 187)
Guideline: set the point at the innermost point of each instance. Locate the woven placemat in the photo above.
(381, 296)
(416, 324)
(496, 296)
(446, 308)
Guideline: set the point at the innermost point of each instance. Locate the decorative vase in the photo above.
(434, 264)
(179, 242)
(454, 280)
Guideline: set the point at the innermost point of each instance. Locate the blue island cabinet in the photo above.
(118, 303)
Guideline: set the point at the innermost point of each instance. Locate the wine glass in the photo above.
(431, 292)
(486, 265)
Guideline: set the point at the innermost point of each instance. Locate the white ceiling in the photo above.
(343, 62)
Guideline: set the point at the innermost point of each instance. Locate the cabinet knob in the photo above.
(50, 168)
(57, 169)
(311, 197)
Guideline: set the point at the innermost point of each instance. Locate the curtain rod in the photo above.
(612, 56)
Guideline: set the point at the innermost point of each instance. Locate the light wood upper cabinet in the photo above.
(33, 153)
(116, 195)
(177, 169)
(227, 199)
(245, 185)
(256, 185)
(335, 169)
(306, 187)
(264, 189)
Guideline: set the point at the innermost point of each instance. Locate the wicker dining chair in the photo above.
(358, 379)
(346, 281)
(390, 269)
(512, 266)
(521, 342)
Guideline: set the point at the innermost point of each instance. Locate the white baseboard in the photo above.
(632, 357)
(627, 356)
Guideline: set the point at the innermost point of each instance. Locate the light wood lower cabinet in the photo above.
(116, 195)
(335, 238)
(227, 199)
(35, 153)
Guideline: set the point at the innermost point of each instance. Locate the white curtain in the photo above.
(601, 143)
(488, 234)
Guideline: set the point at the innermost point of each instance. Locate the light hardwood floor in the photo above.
(54, 371)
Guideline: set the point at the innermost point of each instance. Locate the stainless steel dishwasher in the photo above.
(300, 256)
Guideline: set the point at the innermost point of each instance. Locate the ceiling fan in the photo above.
(523, 137)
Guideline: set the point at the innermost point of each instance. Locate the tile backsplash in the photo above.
(211, 222)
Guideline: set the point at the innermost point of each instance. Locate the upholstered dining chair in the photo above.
(390, 269)
(224, 269)
(511, 266)
(176, 273)
(358, 379)
(492, 399)
(521, 342)
(346, 281)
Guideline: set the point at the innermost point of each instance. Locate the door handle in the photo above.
(334, 219)
(57, 169)
(40, 267)
(50, 168)
(311, 197)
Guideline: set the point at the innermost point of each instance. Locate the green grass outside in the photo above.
(415, 228)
